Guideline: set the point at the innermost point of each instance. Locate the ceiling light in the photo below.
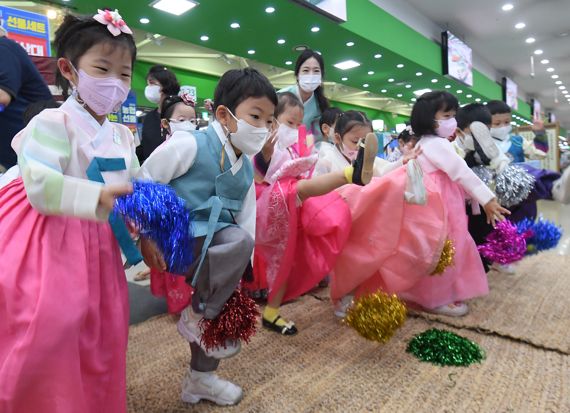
(51, 14)
(281, 41)
(235, 25)
(270, 10)
(399, 95)
(251, 51)
(448, 86)
(391, 80)
(564, 92)
(350, 44)
(469, 96)
(507, 7)
(144, 20)
(315, 29)
(558, 82)
(434, 81)
(344, 79)
(408, 86)
(419, 73)
(477, 100)
(288, 63)
(383, 91)
(377, 56)
(520, 26)
(545, 61)
(400, 66)
(538, 52)
(204, 38)
(420, 92)
(413, 99)
(176, 7)
(365, 85)
(370, 72)
(347, 64)
(554, 76)
(530, 40)
(562, 87)
(459, 91)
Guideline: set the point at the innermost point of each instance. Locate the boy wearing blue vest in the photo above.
(212, 172)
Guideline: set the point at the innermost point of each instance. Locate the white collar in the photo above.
(232, 157)
(298, 93)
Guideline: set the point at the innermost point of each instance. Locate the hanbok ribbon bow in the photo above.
(113, 21)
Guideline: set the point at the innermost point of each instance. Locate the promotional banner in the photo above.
(31, 30)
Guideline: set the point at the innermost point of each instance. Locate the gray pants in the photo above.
(224, 264)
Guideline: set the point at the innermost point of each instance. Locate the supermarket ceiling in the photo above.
(219, 34)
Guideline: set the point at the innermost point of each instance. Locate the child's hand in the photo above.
(151, 254)
(495, 212)
(412, 154)
(110, 192)
(269, 147)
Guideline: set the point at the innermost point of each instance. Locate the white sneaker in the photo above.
(561, 188)
(198, 386)
(342, 306)
(505, 269)
(188, 327)
(458, 309)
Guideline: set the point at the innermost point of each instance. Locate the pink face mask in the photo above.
(103, 95)
(446, 127)
(351, 155)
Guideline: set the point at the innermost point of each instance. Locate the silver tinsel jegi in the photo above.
(513, 186)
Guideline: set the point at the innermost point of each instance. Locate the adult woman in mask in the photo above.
(309, 72)
(161, 83)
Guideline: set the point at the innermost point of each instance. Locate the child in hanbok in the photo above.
(63, 291)
(178, 115)
(211, 170)
(398, 250)
(302, 223)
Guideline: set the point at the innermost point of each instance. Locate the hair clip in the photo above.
(113, 21)
(187, 98)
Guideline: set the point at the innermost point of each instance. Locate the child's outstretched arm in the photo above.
(43, 155)
(441, 154)
(171, 160)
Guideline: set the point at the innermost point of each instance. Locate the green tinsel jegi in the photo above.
(445, 348)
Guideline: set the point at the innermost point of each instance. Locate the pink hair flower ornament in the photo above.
(113, 21)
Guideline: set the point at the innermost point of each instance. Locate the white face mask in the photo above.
(248, 139)
(183, 126)
(501, 133)
(152, 93)
(309, 83)
(287, 136)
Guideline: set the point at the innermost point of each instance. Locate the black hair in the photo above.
(237, 85)
(474, 112)
(168, 105)
(167, 79)
(498, 107)
(35, 108)
(76, 35)
(424, 110)
(322, 101)
(285, 100)
(329, 117)
(407, 136)
(349, 119)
